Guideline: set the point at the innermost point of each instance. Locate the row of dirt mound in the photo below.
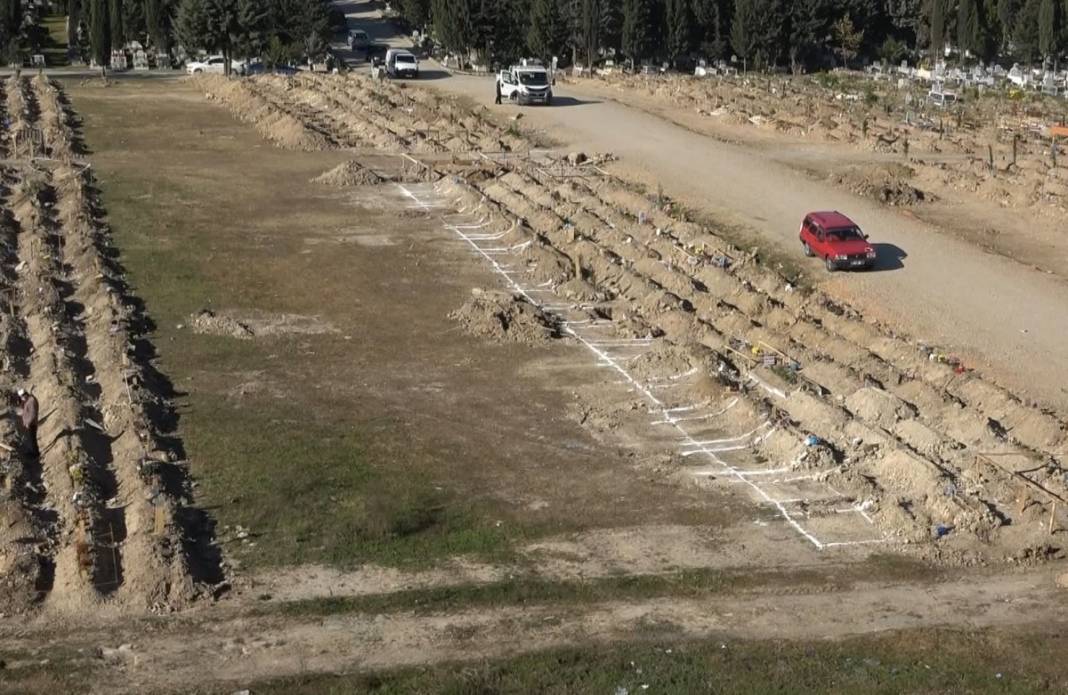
(315, 111)
(933, 453)
(988, 145)
(925, 446)
(103, 513)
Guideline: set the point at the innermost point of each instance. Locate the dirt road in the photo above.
(239, 650)
(1003, 317)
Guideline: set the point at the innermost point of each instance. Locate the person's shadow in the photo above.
(888, 257)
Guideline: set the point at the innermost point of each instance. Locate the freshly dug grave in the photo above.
(102, 514)
(900, 423)
(506, 318)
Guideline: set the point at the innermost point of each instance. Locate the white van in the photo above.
(401, 63)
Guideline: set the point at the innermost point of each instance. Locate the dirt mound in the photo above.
(254, 325)
(889, 184)
(505, 317)
(207, 322)
(351, 173)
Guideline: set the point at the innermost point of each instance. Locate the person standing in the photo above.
(497, 83)
(28, 410)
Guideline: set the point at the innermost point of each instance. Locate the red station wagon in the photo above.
(837, 240)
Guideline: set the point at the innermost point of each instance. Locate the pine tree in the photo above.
(548, 30)
(744, 29)
(453, 24)
(809, 23)
(611, 25)
(1025, 30)
(133, 20)
(590, 19)
(677, 25)
(253, 18)
(10, 27)
(637, 17)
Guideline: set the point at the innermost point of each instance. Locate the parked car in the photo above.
(215, 65)
(212, 65)
(837, 240)
(400, 63)
(359, 40)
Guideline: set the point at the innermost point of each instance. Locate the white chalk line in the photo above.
(606, 360)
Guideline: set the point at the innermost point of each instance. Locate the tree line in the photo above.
(278, 31)
(795, 34)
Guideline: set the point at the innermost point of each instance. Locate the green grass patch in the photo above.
(916, 661)
(303, 463)
(688, 583)
(310, 491)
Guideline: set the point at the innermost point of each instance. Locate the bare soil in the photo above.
(641, 398)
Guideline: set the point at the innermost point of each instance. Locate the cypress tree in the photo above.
(548, 30)
(938, 29)
(744, 29)
(115, 18)
(100, 33)
(158, 24)
(636, 22)
(968, 32)
(677, 16)
(1048, 31)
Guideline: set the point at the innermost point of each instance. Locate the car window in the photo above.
(844, 234)
(405, 59)
(533, 79)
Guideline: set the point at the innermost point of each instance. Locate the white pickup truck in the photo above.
(526, 83)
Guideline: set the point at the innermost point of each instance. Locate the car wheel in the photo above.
(197, 71)
(549, 100)
(831, 267)
(807, 249)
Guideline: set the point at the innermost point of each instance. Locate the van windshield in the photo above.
(405, 59)
(534, 79)
(844, 234)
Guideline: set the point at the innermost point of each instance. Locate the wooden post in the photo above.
(990, 157)
(1015, 141)
(1052, 512)
(160, 526)
(906, 149)
(1053, 152)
